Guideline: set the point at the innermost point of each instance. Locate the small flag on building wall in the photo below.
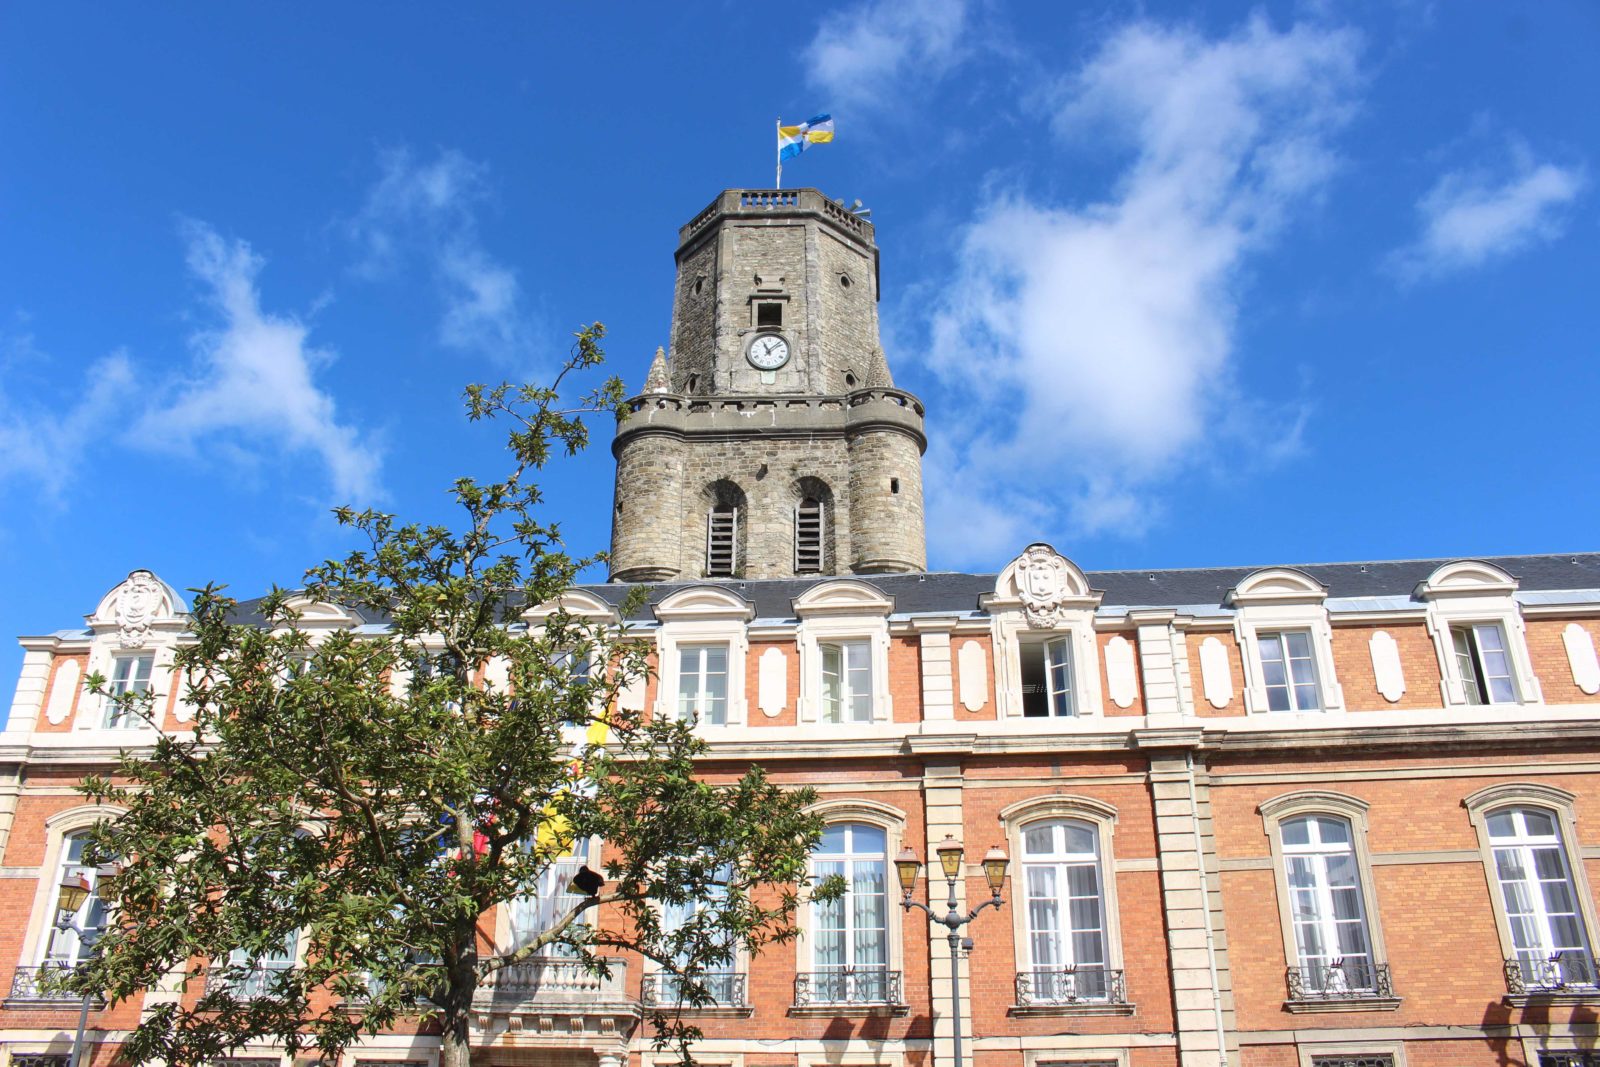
(792, 140)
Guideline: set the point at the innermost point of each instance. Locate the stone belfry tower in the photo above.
(771, 442)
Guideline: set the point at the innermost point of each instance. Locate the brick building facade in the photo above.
(1287, 816)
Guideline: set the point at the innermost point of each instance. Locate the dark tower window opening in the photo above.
(849, 380)
(694, 380)
(769, 316)
(722, 541)
(844, 281)
(808, 519)
(894, 485)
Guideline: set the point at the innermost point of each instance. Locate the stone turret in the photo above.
(772, 442)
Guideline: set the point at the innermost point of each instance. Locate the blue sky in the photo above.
(1180, 284)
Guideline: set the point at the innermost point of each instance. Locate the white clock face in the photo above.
(768, 352)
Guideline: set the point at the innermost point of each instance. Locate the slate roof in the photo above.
(951, 592)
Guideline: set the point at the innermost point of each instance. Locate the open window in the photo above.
(1047, 678)
(1478, 632)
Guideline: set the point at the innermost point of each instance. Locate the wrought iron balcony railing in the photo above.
(727, 989)
(1065, 986)
(1558, 972)
(847, 987)
(31, 985)
(1350, 978)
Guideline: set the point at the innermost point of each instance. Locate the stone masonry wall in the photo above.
(886, 490)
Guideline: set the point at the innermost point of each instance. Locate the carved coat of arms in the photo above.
(138, 602)
(1042, 584)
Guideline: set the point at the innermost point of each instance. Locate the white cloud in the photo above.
(46, 444)
(1106, 331)
(254, 381)
(1469, 217)
(864, 58)
(429, 211)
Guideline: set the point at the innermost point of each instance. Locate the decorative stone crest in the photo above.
(1044, 583)
(138, 602)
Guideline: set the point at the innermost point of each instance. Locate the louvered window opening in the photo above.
(722, 539)
(808, 537)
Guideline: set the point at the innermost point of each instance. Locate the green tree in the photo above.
(375, 822)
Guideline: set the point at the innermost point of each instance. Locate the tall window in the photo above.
(720, 980)
(850, 935)
(1329, 916)
(722, 539)
(1066, 911)
(1484, 663)
(1288, 671)
(1047, 684)
(534, 913)
(1530, 863)
(129, 674)
(72, 945)
(808, 520)
(847, 681)
(703, 683)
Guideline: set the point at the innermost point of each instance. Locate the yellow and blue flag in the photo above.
(792, 140)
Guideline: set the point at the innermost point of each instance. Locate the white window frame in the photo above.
(892, 821)
(42, 917)
(1481, 680)
(703, 615)
(90, 875)
(1469, 592)
(1560, 805)
(1318, 857)
(1275, 601)
(1352, 810)
(842, 610)
(553, 882)
(1102, 817)
(113, 715)
(738, 965)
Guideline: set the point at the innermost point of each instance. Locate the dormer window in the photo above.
(1289, 670)
(1047, 684)
(129, 674)
(1484, 663)
(722, 539)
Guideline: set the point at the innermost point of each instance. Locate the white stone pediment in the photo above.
(843, 596)
(704, 602)
(321, 613)
(1467, 577)
(1277, 585)
(575, 602)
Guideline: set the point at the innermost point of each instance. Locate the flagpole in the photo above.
(779, 142)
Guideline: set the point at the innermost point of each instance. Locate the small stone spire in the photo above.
(657, 381)
(878, 376)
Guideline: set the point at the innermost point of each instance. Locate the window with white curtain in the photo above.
(703, 684)
(847, 681)
(720, 979)
(1326, 906)
(72, 945)
(1065, 899)
(533, 913)
(1541, 903)
(850, 934)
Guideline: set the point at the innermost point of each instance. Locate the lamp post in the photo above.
(70, 895)
(907, 866)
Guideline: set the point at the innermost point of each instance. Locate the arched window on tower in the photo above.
(722, 540)
(808, 519)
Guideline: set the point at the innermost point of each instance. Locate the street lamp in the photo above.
(907, 866)
(70, 896)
